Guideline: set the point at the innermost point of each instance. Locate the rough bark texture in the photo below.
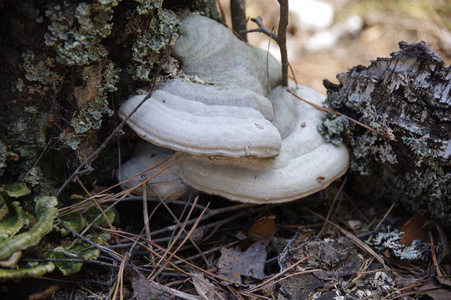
(406, 98)
(66, 66)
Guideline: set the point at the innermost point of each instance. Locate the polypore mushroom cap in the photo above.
(306, 163)
(209, 50)
(230, 118)
(193, 127)
(220, 95)
(167, 184)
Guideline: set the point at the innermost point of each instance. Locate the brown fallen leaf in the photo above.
(260, 230)
(435, 290)
(263, 227)
(205, 288)
(233, 263)
(144, 289)
(416, 228)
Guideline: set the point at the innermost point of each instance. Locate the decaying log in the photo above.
(407, 99)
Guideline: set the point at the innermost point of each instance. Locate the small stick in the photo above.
(340, 114)
(261, 28)
(238, 11)
(282, 39)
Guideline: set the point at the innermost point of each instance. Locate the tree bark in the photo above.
(67, 65)
(407, 99)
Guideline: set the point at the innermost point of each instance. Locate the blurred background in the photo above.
(327, 37)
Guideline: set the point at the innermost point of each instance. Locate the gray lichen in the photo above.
(332, 127)
(149, 44)
(146, 6)
(39, 74)
(391, 241)
(407, 100)
(76, 34)
(93, 97)
(3, 156)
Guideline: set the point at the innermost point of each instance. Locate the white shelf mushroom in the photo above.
(209, 50)
(166, 184)
(306, 163)
(236, 142)
(231, 117)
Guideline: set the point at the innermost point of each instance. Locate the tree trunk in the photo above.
(67, 65)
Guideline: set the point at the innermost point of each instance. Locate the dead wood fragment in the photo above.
(408, 96)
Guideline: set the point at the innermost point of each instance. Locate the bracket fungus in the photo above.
(243, 137)
(306, 163)
(164, 183)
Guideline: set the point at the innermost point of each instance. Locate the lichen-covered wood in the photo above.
(407, 99)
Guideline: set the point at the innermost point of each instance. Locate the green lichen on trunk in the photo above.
(76, 32)
(67, 66)
(64, 78)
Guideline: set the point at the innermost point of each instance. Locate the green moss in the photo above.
(77, 223)
(4, 209)
(69, 268)
(76, 34)
(15, 190)
(13, 222)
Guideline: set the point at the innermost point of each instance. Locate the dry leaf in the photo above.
(435, 290)
(204, 287)
(415, 228)
(144, 289)
(233, 263)
(263, 227)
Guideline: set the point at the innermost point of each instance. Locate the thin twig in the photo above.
(103, 249)
(146, 213)
(282, 39)
(329, 213)
(261, 28)
(340, 114)
(181, 244)
(129, 236)
(93, 156)
(238, 11)
(85, 204)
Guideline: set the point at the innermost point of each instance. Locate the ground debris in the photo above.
(345, 270)
(144, 289)
(205, 288)
(235, 264)
(435, 289)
